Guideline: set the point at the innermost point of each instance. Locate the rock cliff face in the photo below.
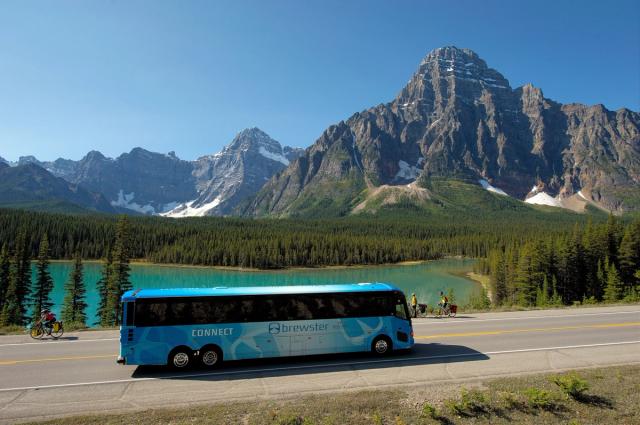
(458, 118)
(234, 174)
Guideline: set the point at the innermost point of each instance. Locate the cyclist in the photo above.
(414, 304)
(47, 319)
(444, 301)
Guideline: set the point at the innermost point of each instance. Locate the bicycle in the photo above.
(450, 311)
(38, 330)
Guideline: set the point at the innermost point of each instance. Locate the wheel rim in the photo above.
(381, 346)
(180, 359)
(210, 358)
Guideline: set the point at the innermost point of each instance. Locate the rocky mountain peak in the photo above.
(94, 156)
(453, 53)
(451, 74)
(29, 159)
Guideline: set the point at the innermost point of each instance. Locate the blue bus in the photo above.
(203, 326)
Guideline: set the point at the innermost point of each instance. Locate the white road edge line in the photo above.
(279, 369)
(43, 343)
(447, 321)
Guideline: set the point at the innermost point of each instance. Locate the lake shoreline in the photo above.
(143, 263)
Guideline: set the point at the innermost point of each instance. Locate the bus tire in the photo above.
(381, 345)
(210, 356)
(180, 358)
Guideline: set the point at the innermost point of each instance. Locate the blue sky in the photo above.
(188, 75)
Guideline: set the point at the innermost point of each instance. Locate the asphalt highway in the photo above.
(78, 374)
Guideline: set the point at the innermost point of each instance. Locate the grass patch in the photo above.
(68, 327)
(12, 330)
(604, 395)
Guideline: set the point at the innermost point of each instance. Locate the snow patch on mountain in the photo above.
(543, 198)
(188, 210)
(126, 201)
(274, 156)
(485, 184)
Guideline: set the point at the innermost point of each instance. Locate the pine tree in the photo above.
(526, 280)
(14, 308)
(601, 280)
(542, 296)
(630, 254)
(119, 280)
(613, 290)
(73, 309)
(556, 299)
(4, 273)
(497, 277)
(44, 284)
(103, 294)
(613, 234)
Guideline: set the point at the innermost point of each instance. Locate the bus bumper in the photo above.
(121, 360)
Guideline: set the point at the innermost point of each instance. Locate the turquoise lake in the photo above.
(425, 279)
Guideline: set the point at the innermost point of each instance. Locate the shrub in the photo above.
(428, 411)
(538, 399)
(509, 400)
(470, 403)
(377, 419)
(292, 420)
(571, 384)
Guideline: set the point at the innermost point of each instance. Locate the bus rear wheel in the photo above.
(180, 358)
(381, 346)
(210, 356)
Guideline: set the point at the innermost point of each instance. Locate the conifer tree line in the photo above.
(281, 243)
(593, 263)
(18, 294)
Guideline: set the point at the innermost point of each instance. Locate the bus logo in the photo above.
(274, 328)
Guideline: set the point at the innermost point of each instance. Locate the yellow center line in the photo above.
(513, 331)
(52, 359)
(446, 335)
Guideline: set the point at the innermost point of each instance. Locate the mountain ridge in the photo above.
(146, 182)
(459, 118)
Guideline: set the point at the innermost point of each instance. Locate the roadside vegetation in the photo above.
(590, 396)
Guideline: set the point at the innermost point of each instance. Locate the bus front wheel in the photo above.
(210, 356)
(381, 346)
(180, 358)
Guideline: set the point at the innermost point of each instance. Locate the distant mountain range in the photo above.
(153, 183)
(457, 135)
(31, 186)
(459, 119)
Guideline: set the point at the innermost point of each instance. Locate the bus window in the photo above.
(401, 311)
(151, 313)
(180, 313)
(128, 319)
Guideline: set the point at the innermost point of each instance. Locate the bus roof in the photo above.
(256, 290)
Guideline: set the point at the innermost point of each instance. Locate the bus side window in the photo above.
(180, 313)
(129, 307)
(400, 310)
